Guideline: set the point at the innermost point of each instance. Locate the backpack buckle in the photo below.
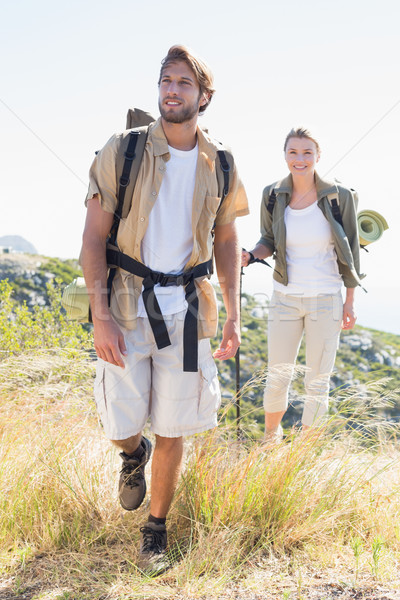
(124, 181)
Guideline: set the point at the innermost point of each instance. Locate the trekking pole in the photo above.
(237, 364)
(237, 355)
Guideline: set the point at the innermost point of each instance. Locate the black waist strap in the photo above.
(115, 258)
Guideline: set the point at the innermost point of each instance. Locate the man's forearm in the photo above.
(227, 260)
(94, 266)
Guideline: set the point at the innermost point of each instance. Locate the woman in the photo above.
(314, 256)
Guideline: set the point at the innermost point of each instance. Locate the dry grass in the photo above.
(316, 517)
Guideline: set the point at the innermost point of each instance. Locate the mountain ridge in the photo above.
(364, 355)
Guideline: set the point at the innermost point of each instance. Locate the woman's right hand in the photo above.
(245, 258)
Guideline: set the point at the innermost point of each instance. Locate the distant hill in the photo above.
(29, 274)
(17, 244)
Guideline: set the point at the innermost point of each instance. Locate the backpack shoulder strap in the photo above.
(127, 164)
(223, 167)
(272, 198)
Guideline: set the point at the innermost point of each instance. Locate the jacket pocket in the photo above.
(206, 222)
(209, 211)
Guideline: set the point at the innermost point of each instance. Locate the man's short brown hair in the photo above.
(201, 71)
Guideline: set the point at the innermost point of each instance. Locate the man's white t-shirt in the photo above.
(310, 254)
(168, 242)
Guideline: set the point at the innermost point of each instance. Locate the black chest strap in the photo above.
(115, 258)
(336, 211)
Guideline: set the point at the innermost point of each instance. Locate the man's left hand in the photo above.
(230, 341)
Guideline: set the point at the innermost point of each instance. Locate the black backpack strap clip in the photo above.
(152, 307)
(336, 211)
(271, 202)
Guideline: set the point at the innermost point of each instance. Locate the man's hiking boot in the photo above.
(153, 558)
(132, 483)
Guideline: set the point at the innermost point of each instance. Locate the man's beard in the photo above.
(181, 116)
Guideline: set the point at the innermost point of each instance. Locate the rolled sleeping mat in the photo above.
(75, 300)
(371, 226)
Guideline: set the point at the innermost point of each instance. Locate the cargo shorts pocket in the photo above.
(210, 394)
(100, 395)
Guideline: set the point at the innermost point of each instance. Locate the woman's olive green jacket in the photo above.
(346, 240)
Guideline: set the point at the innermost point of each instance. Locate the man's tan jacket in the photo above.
(103, 183)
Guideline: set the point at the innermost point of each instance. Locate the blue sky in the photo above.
(71, 70)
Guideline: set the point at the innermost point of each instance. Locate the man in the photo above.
(169, 230)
